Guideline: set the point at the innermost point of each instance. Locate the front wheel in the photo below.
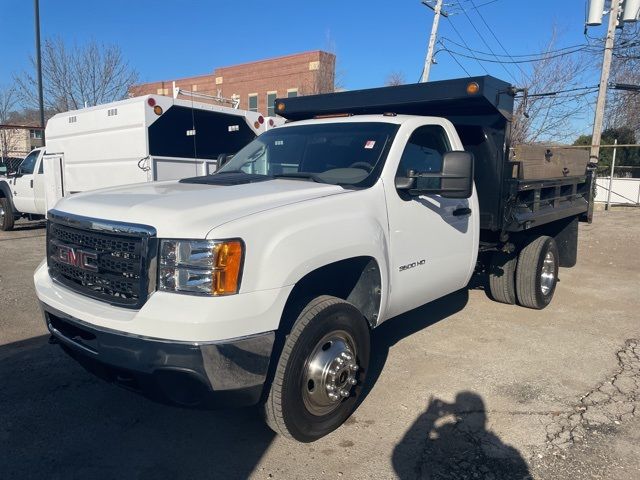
(321, 370)
(6, 215)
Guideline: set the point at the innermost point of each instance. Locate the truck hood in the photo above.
(186, 210)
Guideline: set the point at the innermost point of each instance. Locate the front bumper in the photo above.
(230, 372)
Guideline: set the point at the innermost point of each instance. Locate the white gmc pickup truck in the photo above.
(260, 284)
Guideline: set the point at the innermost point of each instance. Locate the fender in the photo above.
(6, 192)
(285, 244)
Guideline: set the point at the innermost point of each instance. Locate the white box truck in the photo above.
(141, 139)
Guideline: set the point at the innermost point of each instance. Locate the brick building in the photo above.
(258, 84)
(18, 140)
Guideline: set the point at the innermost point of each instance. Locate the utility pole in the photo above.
(432, 39)
(39, 65)
(613, 166)
(604, 80)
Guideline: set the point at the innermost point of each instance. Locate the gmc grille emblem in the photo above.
(77, 258)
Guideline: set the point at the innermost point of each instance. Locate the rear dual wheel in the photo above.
(321, 370)
(537, 273)
(528, 278)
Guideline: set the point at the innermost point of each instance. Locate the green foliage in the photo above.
(629, 156)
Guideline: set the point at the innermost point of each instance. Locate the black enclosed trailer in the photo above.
(481, 109)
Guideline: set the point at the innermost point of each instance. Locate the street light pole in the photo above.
(432, 40)
(39, 65)
(604, 80)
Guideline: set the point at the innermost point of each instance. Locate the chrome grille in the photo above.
(122, 258)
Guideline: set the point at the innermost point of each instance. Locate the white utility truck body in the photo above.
(323, 229)
(142, 139)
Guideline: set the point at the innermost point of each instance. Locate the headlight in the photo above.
(204, 267)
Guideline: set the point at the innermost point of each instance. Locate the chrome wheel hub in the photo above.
(1, 214)
(548, 273)
(330, 373)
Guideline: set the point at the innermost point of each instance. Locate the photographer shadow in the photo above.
(450, 440)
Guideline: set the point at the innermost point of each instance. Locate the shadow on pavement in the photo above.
(450, 441)
(58, 421)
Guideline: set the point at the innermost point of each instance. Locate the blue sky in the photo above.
(169, 39)
(163, 39)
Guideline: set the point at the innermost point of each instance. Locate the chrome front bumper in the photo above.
(232, 372)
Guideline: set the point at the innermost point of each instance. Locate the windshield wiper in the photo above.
(301, 175)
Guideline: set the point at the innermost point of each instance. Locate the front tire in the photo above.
(537, 273)
(6, 215)
(321, 371)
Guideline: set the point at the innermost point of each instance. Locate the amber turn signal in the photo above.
(228, 266)
(473, 88)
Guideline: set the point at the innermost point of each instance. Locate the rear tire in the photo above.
(6, 215)
(537, 273)
(502, 277)
(326, 355)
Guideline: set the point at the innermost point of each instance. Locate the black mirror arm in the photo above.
(404, 183)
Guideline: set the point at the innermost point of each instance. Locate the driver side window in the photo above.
(29, 163)
(424, 151)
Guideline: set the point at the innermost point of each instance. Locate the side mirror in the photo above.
(454, 181)
(221, 160)
(457, 175)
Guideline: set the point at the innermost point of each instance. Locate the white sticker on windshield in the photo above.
(234, 128)
(370, 144)
(279, 142)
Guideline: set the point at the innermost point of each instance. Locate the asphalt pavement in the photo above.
(461, 388)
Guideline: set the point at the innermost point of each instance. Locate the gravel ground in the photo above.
(462, 388)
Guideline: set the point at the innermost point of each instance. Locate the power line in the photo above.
(496, 39)
(567, 90)
(487, 45)
(459, 64)
(475, 7)
(485, 3)
(465, 43)
(572, 48)
(511, 61)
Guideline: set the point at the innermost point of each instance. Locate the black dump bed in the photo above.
(481, 109)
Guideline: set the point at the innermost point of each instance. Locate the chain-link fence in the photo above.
(12, 163)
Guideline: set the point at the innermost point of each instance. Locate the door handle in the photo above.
(459, 212)
(31, 183)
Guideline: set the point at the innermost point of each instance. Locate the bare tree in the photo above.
(623, 106)
(551, 118)
(9, 138)
(77, 76)
(321, 78)
(395, 78)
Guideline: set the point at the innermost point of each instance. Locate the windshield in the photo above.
(335, 153)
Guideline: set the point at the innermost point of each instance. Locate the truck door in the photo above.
(22, 184)
(433, 239)
(53, 179)
(39, 193)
